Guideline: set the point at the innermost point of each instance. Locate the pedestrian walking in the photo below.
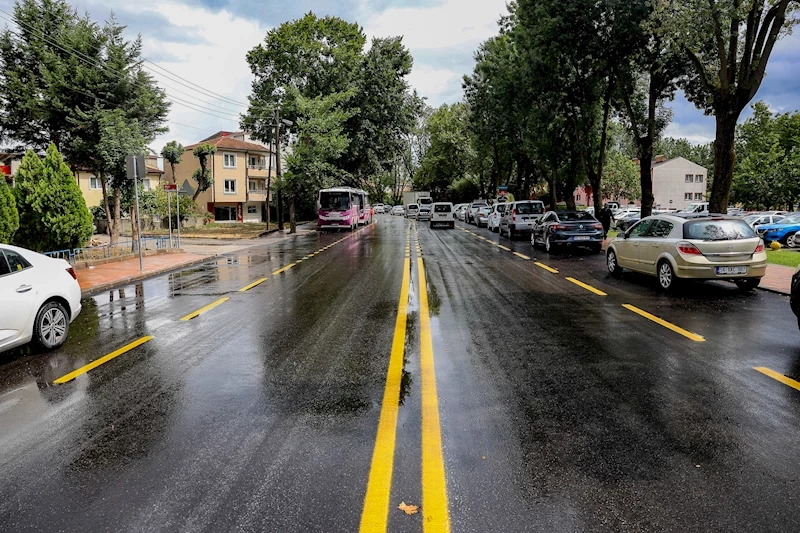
(606, 216)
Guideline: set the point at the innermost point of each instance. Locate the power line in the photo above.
(195, 86)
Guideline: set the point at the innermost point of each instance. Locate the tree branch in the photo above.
(701, 70)
(761, 66)
(723, 60)
(753, 18)
(733, 41)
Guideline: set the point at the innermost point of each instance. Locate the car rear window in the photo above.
(570, 217)
(717, 230)
(16, 262)
(441, 208)
(529, 208)
(413, 206)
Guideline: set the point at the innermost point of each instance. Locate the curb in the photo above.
(773, 291)
(131, 279)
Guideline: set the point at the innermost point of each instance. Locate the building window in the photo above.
(577, 197)
(687, 196)
(257, 162)
(230, 186)
(254, 186)
(698, 178)
(689, 178)
(94, 183)
(251, 210)
(698, 196)
(146, 185)
(229, 160)
(224, 213)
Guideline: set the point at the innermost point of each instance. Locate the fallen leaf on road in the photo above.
(408, 509)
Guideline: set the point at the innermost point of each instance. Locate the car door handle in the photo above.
(656, 245)
(634, 244)
(24, 288)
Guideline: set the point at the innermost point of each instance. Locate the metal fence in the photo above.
(111, 250)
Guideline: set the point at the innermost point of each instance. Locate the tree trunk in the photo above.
(174, 177)
(646, 176)
(115, 227)
(551, 185)
(280, 210)
(724, 160)
(105, 205)
(292, 220)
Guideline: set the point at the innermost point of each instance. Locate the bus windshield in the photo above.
(334, 201)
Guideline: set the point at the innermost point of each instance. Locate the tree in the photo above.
(320, 142)
(621, 178)
(9, 217)
(54, 212)
(729, 43)
(119, 138)
(173, 153)
(203, 175)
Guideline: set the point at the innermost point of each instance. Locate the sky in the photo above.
(204, 43)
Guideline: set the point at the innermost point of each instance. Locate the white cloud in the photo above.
(429, 80)
(694, 133)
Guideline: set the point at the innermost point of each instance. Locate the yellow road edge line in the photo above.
(778, 377)
(94, 364)
(436, 518)
(284, 269)
(587, 287)
(375, 514)
(549, 269)
(660, 321)
(523, 256)
(202, 310)
(254, 284)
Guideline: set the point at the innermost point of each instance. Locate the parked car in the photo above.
(39, 298)
(590, 210)
(623, 217)
(758, 220)
(495, 215)
(782, 232)
(399, 210)
(521, 217)
(794, 298)
(568, 228)
(472, 210)
(461, 212)
(424, 212)
(481, 216)
(626, 222)
(412, 211)
(443, 215)
(673, 248)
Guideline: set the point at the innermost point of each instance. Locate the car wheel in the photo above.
(613, 266)
(548, 246)
(52, 326)
(666, 276)
(747, 284)
(533, 240)
(790, 240)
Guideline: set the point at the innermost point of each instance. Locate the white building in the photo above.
(677, 182)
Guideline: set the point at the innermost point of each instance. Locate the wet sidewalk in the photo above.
(778, 279)
(104, 277)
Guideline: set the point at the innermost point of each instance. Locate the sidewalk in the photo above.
(104, 277)
(778, 279)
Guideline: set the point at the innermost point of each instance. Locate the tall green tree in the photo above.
(621, 178)
(173, 154)
(9, 217)
(729, 43)
(203, 175)
(54, 212)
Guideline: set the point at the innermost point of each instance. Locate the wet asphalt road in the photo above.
(560, 410)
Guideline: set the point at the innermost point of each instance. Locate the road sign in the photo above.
(186, 189)
(136, 167)
(171, 187)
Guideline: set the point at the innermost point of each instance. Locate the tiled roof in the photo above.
(218, 134)
(154, 170)
(227, 143)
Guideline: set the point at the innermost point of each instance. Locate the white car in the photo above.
(39, 298)
(379, 209)
(495, 215)
(398, 210)
(412, 210)
(443, 214)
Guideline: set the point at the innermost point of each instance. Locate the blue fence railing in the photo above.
(116, 249)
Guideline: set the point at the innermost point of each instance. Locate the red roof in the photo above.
(227, 143)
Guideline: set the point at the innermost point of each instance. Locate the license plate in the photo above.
(728, 271)
(581, 237)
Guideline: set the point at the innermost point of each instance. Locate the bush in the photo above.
(9, 217)
(53, 214)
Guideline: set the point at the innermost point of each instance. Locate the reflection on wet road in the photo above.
(316, 383)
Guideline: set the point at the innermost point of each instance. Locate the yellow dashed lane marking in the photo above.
(106, 358)
(202, 310)
(523, 256)
(284, 269)
(778, 377)
(549, 269)
(587, 287)
(660, 321)
(254, 284)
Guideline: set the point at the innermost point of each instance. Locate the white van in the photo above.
(520, 217)
(443, 214)
(412, 210)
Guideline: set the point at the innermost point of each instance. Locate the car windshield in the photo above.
(530, 208)
(751, 218)
(478, 205)
(571, 216)
(717, 230)
(334, 201)
(442, 208)
(413, 206)
(793, 219)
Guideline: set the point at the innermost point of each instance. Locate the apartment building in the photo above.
(92, 189)
(240, 170)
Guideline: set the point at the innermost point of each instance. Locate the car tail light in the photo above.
(71, 272)
(514, 215)
(759, 248)
(559, 226)
(688, 248)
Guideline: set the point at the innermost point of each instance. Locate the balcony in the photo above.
(257, 194)
(261, 171)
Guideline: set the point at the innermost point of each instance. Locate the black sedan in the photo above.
(568, 229)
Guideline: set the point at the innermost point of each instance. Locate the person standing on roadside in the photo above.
(605, 219)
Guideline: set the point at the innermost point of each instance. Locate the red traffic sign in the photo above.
(171, 187)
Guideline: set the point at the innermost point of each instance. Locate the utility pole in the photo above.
(269, 179)
(278, 165)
